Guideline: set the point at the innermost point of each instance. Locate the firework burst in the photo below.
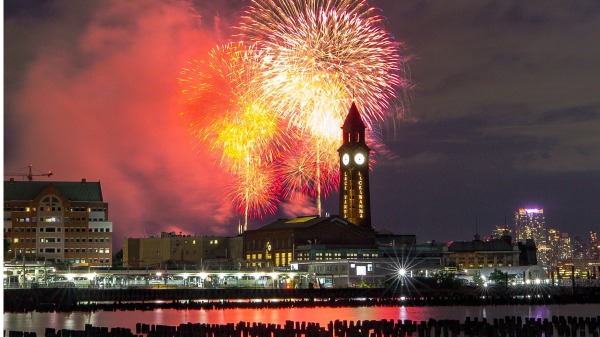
(319, 57)
(324, 51)
(299, 166)
(255, 191)
(228, 114)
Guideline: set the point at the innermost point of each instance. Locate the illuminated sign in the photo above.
(361, 211)
(531, 210)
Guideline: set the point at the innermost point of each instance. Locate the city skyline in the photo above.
(504, 114)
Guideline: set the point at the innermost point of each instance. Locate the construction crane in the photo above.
(29, 174)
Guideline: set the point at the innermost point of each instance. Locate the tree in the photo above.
(446, 279)
(478, 279)
(118, 259)
(6, 246)
(499, 278)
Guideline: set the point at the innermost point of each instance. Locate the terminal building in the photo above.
(59, 222)
(348, 235)
(344, 249)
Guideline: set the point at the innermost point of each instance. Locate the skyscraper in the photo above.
(594, 246)
(553, 247)
(580, 249)
(531, 224)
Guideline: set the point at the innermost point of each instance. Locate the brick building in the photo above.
(61, 222)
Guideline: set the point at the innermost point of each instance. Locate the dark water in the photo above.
(37, 322)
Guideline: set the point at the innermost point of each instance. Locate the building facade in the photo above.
(60, 222)
(173, 251)
(306, 238)
(531, 224)
(479, 254)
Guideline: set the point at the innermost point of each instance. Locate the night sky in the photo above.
(504, 112)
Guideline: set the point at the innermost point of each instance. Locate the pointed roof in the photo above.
(353, 120)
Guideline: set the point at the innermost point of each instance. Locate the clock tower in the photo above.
(355, 203)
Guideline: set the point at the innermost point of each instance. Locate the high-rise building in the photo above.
(531, 224)
(500, 231)
(580, 248)
(594, 247)
(553, 245)
(565, 250)
(60, 222)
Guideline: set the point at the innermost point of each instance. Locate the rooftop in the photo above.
(74, 191)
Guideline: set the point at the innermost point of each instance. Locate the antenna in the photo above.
(476, 230)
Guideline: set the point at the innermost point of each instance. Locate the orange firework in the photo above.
(229, 115)
(256, 191)
(305, 169)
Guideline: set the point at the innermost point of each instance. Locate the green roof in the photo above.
(299, 222)
(74, 191)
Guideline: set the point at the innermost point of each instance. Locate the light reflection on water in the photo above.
(37, 322)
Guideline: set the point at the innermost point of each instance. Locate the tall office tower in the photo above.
(530, 224)
(553, 245)
(594, 252)
(580, 249)
(565, 248)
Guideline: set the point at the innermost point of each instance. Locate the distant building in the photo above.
(500, 231)
(580, 248)
(174, 251)
(553, 247)
(578, 268)
(60, 222)
(478, 254)
(594, 247)
(531, 224)
(560, 247)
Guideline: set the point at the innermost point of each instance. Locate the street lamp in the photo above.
(402, 272)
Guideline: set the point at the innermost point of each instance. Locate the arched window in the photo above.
(50, 204)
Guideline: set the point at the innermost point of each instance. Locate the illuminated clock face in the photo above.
(359, 158)
(345, 159)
